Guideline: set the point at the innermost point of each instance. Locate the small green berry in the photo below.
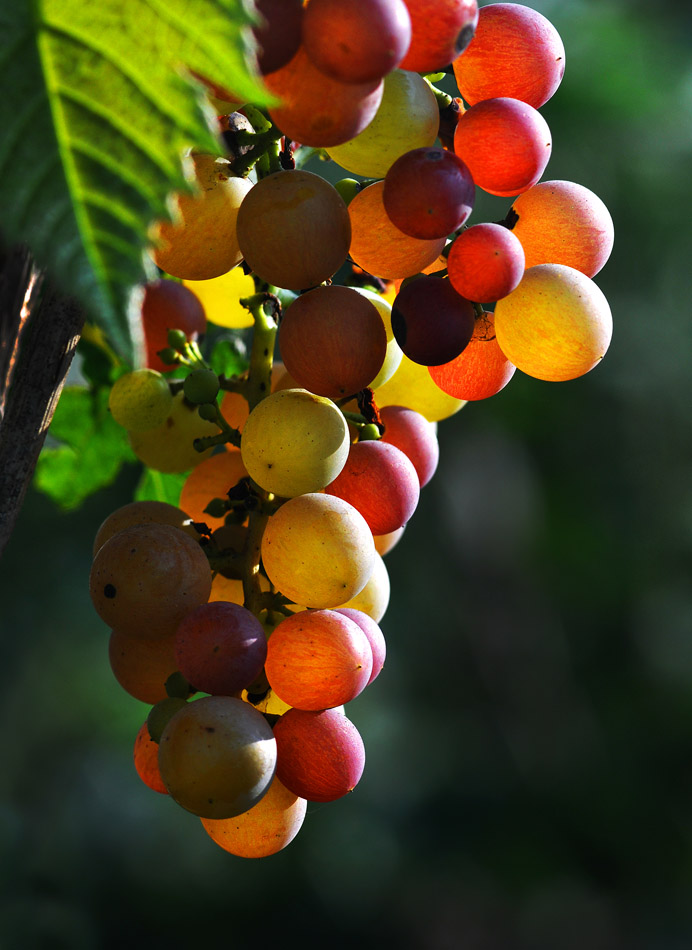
(201, 386)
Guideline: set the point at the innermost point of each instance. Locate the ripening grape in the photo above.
(320, 755)
(383, 307)
(143, 512)
(146, 578)
(411, 432)
(318, 550)
(140, 400)
(432, 323)
(411, 386)
(373, 599)
(318, 659)
(381, 483)
(480, 370)
(169, 447)
(146, 759)
(556, 325)
(217, 757)
(374, 635)
(516, 52)
(407, 118)
(356, 40)
(486, 262)
(317, 110)
(278, 35)
(168, 305)
(142, 666)
(332, 341)
(441, 31)
(220, 647)
(294, 229)
(505, 143)
(212, 478)
(385, 542)
(201, 241)
(560, 222)
(265, 829)
(378, 246)
(428, 193)
(221, 297)
(294, 442)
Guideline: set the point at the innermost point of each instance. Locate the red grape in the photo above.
(375, 637)
(486, 262)
(411, 432)
(441, 30)
(432, 323)
(168, 305)
(481, 370)
(279, 34)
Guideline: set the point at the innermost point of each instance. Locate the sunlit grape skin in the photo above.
(485, 262)
(515, 52)
(481, 369)
(170, 446)
(432, 323)
(146, 760)
(411, 386)
(561, 222)
(212, 478)
(318, 659)
(320, 755)
(411, 432)
(372, 36)
(556, 325)
(168, 305)
(373, 599)
(374, 635)
(441, 30)
(332, 341)
(294, 229)
(217, 757)
(505, 143)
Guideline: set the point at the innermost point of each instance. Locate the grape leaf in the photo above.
(160, 486)
(100, 111)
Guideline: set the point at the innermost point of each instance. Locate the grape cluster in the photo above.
(264, 590)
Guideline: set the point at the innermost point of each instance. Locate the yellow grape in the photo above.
(169, 447)
(294, 442)
(383, 307)
(556, 325)
(373, 599)
(318, 550)
(270, 704)
(143, 512)
(412, 386)
(220, 297)
(391, 364)
(385, 542)
(407, 118)
(140, 400)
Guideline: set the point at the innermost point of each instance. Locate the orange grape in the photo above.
(212, 478)
(146, 759)
(481, 370)
(142, 666)
(143, 512)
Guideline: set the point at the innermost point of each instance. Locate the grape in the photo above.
(332, 341)
(356, 40)
(161, 714)
(217, 757)
(167, 305)
(212, 478)
(201, 241)
(265, 829)
(201, 386)
(390, 366)
(220, 647)
(140, 400)
(294, 229)
(385, 542)
(560, 222)
(146, 759)
(373, 599)
(278, 36)
(169, 447)
(516, 52)
(411, 432)
(556, 325)
(383, 307)
(407, 118)
(143, 512)
(294, 442)
(146, 578)
(378, 246)
(318, 550)
(381, 483)
(485, 262)
(374, 635)
(220, 297)
(505, 143)
(317, 110)
(320, 755)
(428, 193)
(142, 666)
(432, 323)
(411, 386)
(441, 30)
(318, 659)
(481, 370)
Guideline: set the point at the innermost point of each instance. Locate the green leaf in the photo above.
(228, 357)
(100, 111)
(93, 450)
(157, 486)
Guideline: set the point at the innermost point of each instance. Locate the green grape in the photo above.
(217, 757)
(407, 118)
(140, 400)
(169, 447)
(201, 386)
(294, 442)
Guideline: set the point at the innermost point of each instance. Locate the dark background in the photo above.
(529, 775)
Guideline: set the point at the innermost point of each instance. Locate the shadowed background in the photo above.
(529, 774)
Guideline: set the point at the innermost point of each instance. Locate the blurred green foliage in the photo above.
(529, 774)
